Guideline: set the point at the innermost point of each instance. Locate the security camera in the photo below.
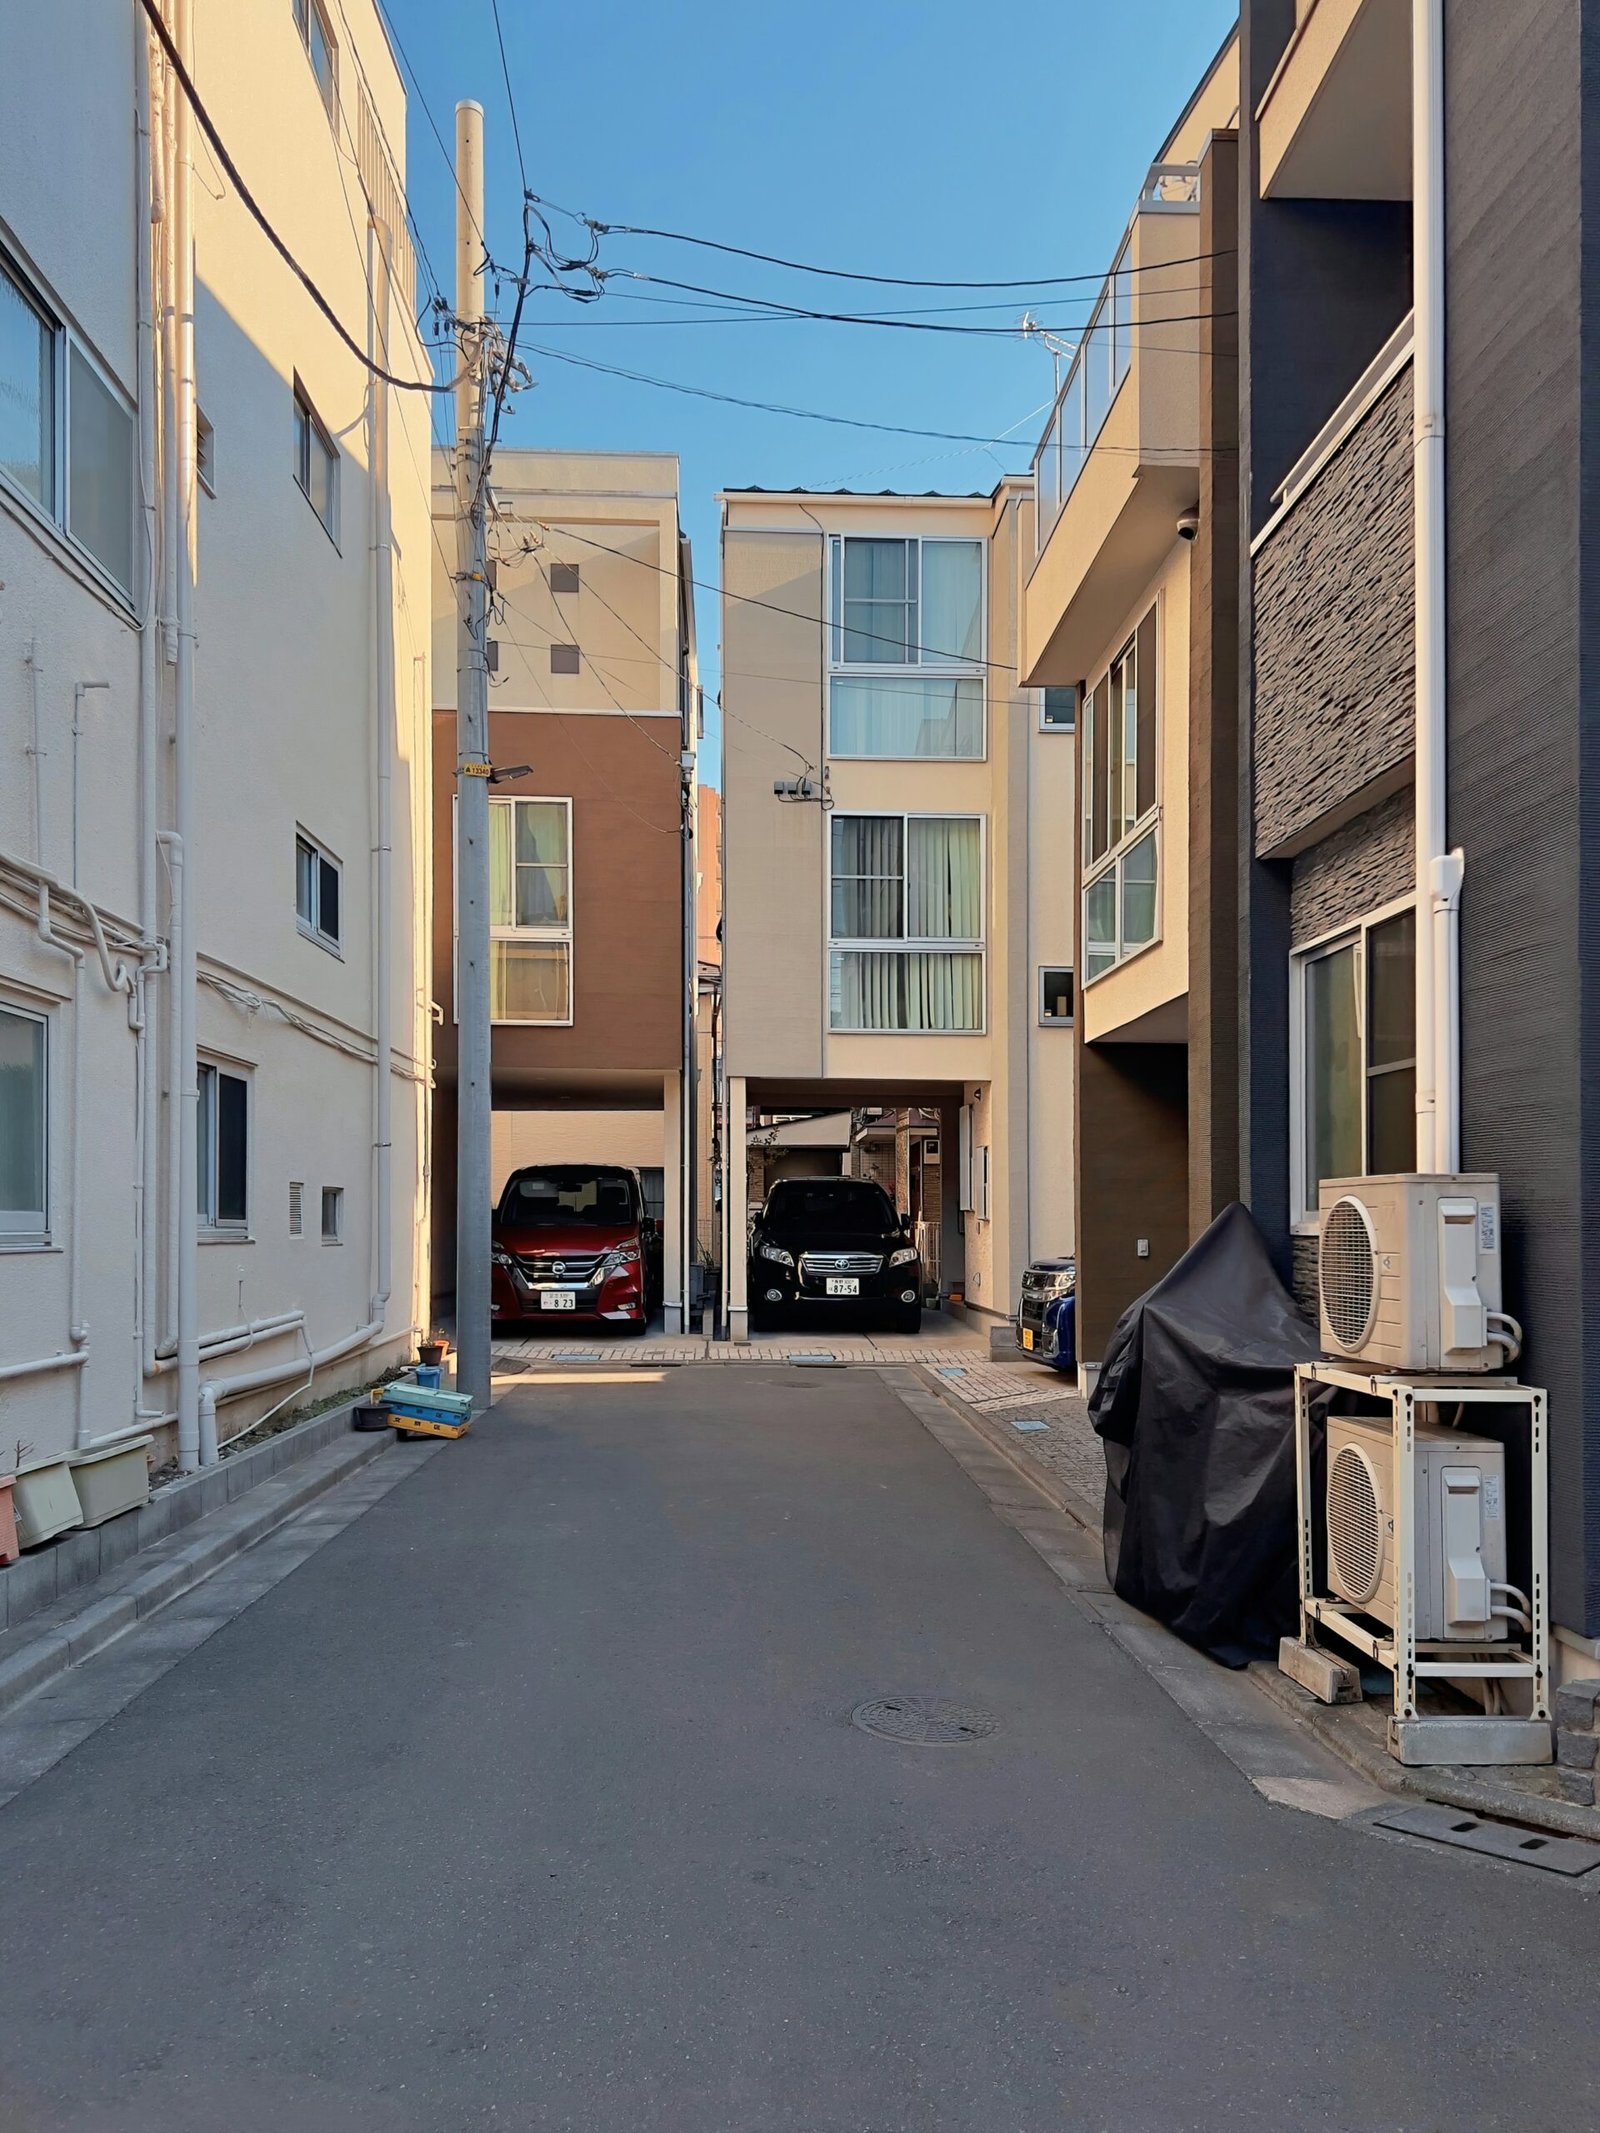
(1188, 525)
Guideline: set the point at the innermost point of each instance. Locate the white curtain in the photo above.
(502, 868)
(952, 588)
(944, 880)
(906, 989)
(905, 715)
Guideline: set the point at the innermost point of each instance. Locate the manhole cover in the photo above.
(923, 1725)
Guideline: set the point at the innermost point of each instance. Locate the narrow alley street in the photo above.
(532, 1798)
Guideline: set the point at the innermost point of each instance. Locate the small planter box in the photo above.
(114, 1479)
(46, 1503)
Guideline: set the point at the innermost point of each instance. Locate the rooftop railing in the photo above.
(1101, 360)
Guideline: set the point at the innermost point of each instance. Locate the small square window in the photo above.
(333, 1214)
(564, 577)
(1056, 996)
(1058, 713)
(565, 659)
(316, 892)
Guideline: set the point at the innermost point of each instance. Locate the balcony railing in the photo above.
(1101, 360)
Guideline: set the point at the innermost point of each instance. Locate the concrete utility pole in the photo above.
(473, 1210)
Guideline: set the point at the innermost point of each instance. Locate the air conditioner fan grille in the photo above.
(1348, 1273)
(1355, 1534)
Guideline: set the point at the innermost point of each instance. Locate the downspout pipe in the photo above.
(190, 1451)
(147, 1120)
(1438, 869)
(383, 738)
(77, 1331)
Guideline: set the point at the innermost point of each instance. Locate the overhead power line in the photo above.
(231, 171)
(511, 101)
(775, 309)
(892, 281)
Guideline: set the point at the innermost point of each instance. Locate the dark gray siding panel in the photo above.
(1371, 861)
(1523, 638)
(1334, 632)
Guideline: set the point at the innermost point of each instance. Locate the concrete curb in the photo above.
(85, 1621)
(1339, 1728)
(1002, 1438)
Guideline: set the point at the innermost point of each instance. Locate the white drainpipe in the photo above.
(190, 1453)
(77, 1331)
(1438, 869)
(383, 737)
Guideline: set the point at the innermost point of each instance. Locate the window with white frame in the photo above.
(24, 1124)
(66, 434)
(905, 647)
(1355, 1063)
(333, 1214)
(316, 891)
(530, 910)
(1058, 709)
(1121, 814)
(321, 50)
(915, 881)
(316, 463)
(222, 1148)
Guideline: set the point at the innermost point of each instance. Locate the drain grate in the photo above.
(923, 1725)
(1494, 1840)
(1026, 1422)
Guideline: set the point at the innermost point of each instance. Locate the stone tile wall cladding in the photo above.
(1334, 633)
(1362, 866)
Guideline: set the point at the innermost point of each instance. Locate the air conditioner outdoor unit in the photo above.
(1459, 1556)
(1409, 1273)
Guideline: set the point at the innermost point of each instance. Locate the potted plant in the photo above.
(432, 1351)
(9, 1550)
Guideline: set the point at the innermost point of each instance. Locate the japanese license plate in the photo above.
(557, 1300)
(843, 1285)
(1027, 1336)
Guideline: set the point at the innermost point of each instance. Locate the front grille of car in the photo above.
(564, 1267)
(821, 1263)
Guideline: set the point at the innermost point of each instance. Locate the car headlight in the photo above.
(620, 1256)
(904, 1256)
(777, 1254)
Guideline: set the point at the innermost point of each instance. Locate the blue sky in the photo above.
(911, 137)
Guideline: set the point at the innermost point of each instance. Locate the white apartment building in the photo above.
(899, 918)
(214, 758)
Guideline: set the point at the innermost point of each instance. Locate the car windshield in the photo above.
(569, 1197)
(832, 1203)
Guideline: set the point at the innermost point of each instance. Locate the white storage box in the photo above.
(46, 1504)
(114, 1479)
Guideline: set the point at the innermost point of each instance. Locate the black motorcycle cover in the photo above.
(1195, 1406)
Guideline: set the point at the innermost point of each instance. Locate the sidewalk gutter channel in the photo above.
(195, 1526)
(1253, 1715)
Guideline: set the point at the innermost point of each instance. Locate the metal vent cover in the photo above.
(1355, 1530)
(1348, 1273)
(296, 1208)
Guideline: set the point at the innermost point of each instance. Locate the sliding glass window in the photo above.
(905, 647)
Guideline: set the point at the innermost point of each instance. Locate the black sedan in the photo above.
(833, 1241)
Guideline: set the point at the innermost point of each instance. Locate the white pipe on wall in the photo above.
(77, 1331)
(383, 742)
(1438, 870)
(36, 749)
(185, 982)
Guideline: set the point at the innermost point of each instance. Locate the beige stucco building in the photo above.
(214, 865)
(898, 924)
(1130, 604)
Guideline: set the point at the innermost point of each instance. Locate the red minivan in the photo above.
(573, 1241)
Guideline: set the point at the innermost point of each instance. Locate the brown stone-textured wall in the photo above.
(1369, 862)
(1334, 631)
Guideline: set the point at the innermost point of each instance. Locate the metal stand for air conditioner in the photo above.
(1416, 1738)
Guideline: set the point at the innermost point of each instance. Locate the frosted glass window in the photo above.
(22, 1123)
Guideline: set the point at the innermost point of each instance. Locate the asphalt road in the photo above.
(532, 1800)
